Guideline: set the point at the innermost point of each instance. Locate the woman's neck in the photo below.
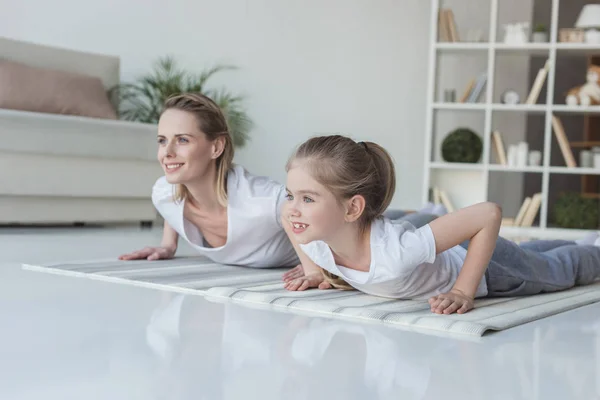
(203, 191)
(351, 247)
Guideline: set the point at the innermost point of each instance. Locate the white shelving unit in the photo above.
(487, 107)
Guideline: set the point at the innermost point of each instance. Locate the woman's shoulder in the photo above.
(162, 191)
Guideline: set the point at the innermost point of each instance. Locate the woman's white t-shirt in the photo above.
(404, 264)
(255, 237)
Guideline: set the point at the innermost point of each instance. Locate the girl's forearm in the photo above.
(479, 223)
(479, 253)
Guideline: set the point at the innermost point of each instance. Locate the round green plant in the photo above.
(462, 145)
(574, 211)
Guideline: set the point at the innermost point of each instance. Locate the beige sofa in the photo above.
(59, 169)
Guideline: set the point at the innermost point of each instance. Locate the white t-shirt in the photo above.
(404, 264)
(255, 237)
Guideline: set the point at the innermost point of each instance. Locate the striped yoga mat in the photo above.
(263, 288)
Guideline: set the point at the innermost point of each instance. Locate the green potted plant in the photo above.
(462, 145)
(142, 100)
(574, 211)
(540, 33)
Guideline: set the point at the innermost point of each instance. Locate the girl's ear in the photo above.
(355, 206)
(218, 145)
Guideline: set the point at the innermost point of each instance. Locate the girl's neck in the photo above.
(351, 247)
(203, 191)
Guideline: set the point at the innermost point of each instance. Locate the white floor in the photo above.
(72, 338)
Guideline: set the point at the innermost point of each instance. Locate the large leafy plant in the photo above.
(143, 99)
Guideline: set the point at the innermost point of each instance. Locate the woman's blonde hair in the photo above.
(211, 122)
(347, 168)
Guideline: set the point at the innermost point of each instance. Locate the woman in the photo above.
(219, 208)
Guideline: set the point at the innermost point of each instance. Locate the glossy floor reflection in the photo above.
(72, 338)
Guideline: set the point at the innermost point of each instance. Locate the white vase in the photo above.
(539, 37)
(592, 36)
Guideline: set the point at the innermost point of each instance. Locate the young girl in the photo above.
(224, 212)
(337, 192)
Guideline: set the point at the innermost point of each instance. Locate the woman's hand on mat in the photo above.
(150, 253)
(296, 272)
(308, 281)
(451, 302)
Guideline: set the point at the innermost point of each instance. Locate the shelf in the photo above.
(459, 106)
(525, 49)
(576, 170)
(591, 195)
(456, 166)
(561, 108)
(584, 145)
(455, 63)
(460, 47)
(579, 48)
(506, 168)
(534, 108)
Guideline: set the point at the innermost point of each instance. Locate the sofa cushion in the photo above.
(27, 88)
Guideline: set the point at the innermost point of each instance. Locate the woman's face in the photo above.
(184, 151)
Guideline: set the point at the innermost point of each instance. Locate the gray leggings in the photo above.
(417, 219)
(540, 266)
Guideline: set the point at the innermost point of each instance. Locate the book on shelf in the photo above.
(446, 201)
(447, 26)
(563, 142)
(474, 89)
(532, 210)
(508, 221)
(441, 197)
(468, 90)
(436, 195)
(499, 148)
(528, 211)
(522, 211)
(538, 84)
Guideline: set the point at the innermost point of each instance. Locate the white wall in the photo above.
(307, 66)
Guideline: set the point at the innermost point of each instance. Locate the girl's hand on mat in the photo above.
(150, 253)
(294, 273)
(308, 281)
(453, 301)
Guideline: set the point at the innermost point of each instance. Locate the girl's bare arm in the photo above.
(479, 223)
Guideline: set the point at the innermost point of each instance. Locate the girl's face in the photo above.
(184, 152)
(312, 211)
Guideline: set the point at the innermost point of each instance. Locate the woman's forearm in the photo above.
(480, 224)
(170, 237)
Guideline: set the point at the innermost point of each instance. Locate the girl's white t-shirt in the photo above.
(404, 264)
(255, 236)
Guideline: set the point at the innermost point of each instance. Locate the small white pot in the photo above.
(539, 37)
